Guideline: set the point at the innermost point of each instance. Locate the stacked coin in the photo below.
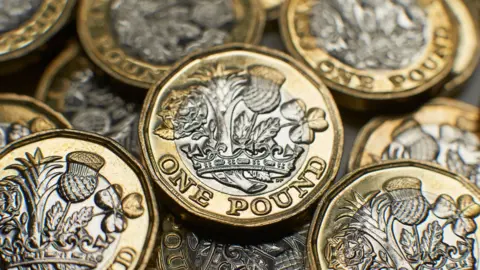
(161, 136)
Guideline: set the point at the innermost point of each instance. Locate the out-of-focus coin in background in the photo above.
(22, 115)
(444, 131)
(373, 55)
(397, 215)
(241, 135)
(89, 99)
(25, 25)
(137, 41)
(78, 196)
(272, 8)
(181, 248)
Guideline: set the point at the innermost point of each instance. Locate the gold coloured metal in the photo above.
(176, 25)
(443, 131)
(272, 7)
(369, 59)
(76, 200)
(22, 115)
(241, 135)
(181, 248)
(397, 215)
(48, 18)
(468, 52)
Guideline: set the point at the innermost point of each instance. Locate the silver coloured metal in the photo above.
(11, 132)
(370, 34)
(15, 12)
(161, 32)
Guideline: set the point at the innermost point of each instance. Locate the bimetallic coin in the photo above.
(74, 200)
(468, 51)
(21, 116)
(241, 135)
(272, 7)
(138, 41)
(184, 249)
(444, 131)
(25, 25)
(75, 87)
(399, 215)
(375, 53)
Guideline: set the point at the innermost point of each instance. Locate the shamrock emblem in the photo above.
(461, 213)
(304, 123)
(117, 210)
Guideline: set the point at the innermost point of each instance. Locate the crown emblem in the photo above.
(236, 126)
(50, 209)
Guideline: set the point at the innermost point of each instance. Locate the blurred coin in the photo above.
(444, 131)
(184, 249)
(397, 215)
(75, 87)
(137, 41)
(74, 200)
(241, 135)
(21, 116)
(272, 7)
(25, 25)
(373, 54)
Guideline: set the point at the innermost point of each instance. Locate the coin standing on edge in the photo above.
(75, 200)
(25, 25)
(184, 249)
(138, 41)
(398, 215)
(74, 86)
(443, 131)
(22, 115)
(373, 55)
(241, 135)
(468, 52)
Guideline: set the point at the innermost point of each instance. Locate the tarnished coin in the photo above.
(468, 51)
(74, 86)
(444, 131)
(22, 115)
(138, 41)
(241, 135)
(373, 53)
(74, 200)
(25, 25)
(184, 249)
(400, 215)
(272, 7)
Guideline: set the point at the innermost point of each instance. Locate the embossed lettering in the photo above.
(261, 206)
(202, 196)
(182, 181)
(125, 258)
(237, 205)
(282, 198)
(168, 164)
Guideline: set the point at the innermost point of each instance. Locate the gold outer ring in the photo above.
(367, 130)
(50, 17)
(117, 63)
(116, 148)
(338, 187)
(361, 100)
(296, 210)
(14, 99)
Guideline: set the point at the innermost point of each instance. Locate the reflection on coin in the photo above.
(137, 41)
(444, 131)
(241, 135)
(75, 87)
(21, 116)
(272, 7)
(25, 25)
(184, 249)
(375, 53)
(74, 200)
(398, 215)
(468, 51)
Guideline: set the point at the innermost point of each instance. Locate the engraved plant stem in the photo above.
(38, 224)
(393, 249)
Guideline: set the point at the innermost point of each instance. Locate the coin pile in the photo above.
(161, 137)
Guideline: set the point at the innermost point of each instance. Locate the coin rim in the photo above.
(44, 109)
(367, 130)
(99, 59)
(124, 155)
(349, 95)
(351, 177)
(44, 37)
(191, 208)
